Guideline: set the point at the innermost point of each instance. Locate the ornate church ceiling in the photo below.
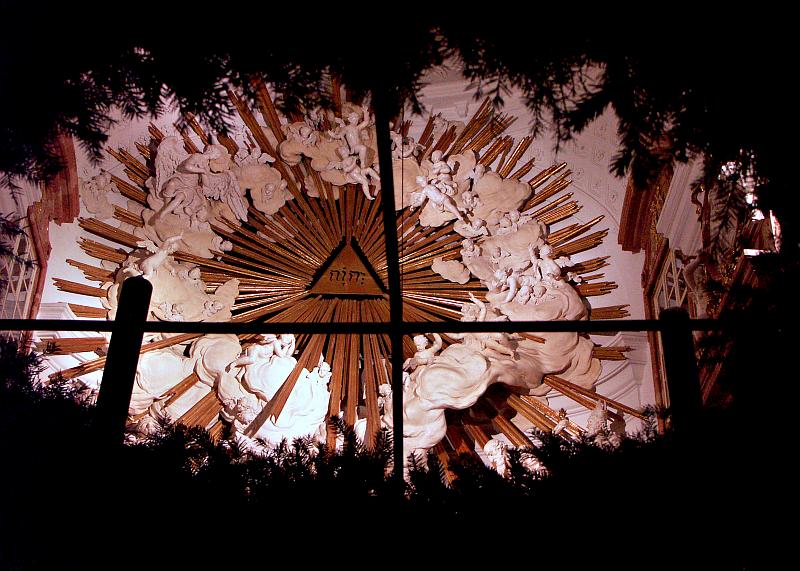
(280, 220)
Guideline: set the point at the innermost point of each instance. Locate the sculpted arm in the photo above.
(437, 343)
(196, 163)
(366, 122)
(244, 360)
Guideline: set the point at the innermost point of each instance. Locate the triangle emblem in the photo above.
(345, 273)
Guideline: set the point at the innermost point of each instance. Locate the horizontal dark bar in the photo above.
(600, 326)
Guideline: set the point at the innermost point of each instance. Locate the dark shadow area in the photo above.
(706, 493)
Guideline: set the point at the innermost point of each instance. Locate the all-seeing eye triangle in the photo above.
(346, 273)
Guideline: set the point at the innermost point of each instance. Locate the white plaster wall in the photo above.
(14, 202)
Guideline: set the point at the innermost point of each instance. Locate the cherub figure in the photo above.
(441, 173)
(440, 200)
(190, 274)
(440, 125)
(308, 136)
(534, 269)
(550, 270)
(262, 352)
(512, 283)
(285, 345)
(212, 307)
(351, 132)
(470, 312)
(525, 290)
(355, 174)
(500, 342)
(171, 311)
(403, 147)
(323, 372)
(476, 173)
(476, 227)
(470, 200)
(505, 226)
(517, 219)
(537, 293)
(94, 193)
(499, 279)
(220, 245)
(425, 352)
(498, 255)
(574, 277)
(150, 264)
(469, 249)
(252, 155)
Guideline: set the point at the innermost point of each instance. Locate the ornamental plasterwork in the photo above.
(281, 221)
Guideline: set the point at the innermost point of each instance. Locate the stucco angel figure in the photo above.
(548, 267)
(534, 270)
(425, 351)
(179, 183)
(506, 225)
(469, 249)
(500, 342)
(470, 200)
(183, 196)
(169, 155)
(498, 257)
(520, 218)
(184, 182)
(266, 364)
(403, 147)
(474, 228)
(513, 284)
(220, 183)
(303, 134)
(171, 311)
(440, 200)
(475, 173)
(150, 264)
(253, 155)
(355, 174)
(523, 294)
(198, 176)
(94, 193)
(695, 272)
(350, 131)
(441, 173)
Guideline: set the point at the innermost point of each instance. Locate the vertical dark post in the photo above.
(382, 119)
(122, 359)
(683, 380)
